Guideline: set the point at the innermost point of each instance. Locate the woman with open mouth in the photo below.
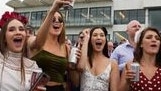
(51, 51)
(15, 69)
(99, 73)
(148, 55)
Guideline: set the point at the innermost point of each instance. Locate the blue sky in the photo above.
(3, 7)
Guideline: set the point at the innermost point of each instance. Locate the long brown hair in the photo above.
(138, 53)
(4, 49)
(61, 37)
(90, 48)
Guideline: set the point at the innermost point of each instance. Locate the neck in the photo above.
(98, 55)
(148, 59)
(13, 54)
(51, 41)
(131, 41)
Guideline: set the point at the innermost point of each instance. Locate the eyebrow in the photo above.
(15, 27)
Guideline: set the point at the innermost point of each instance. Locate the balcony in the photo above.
(151, 3)
(88, 22)
(36, 3)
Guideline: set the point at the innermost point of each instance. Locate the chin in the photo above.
(17, 50)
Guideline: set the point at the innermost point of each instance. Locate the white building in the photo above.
(112, 14)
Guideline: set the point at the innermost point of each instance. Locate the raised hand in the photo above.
(57, 4)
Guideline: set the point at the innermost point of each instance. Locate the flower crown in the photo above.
(13, 15)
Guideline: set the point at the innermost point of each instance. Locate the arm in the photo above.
(124, 86)
(43, 30)
(114, 77)
(84, 50)
(127, 74)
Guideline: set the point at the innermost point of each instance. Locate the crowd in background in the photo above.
(101, 64)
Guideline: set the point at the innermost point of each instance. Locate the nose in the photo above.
(98, 36)
(56, 20)
(154, 39)
(138, 27)
(18, 31)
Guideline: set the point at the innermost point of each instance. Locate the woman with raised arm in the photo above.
(51, 50)
(98, 71)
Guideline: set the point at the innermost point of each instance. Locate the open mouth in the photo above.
(17, 41)
(56, 27)
(153, 45)
(98, 44)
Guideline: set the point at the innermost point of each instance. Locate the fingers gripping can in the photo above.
(73, 57)
(136, 68)
(70, 6)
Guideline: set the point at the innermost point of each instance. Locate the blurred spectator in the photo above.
(110, 48)
(115, 44)
(124, 52)
(123, 41)
(68, 42)
(30, 37)
(30, 30)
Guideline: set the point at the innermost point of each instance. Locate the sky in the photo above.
(4, 7)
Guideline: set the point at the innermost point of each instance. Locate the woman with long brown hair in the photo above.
(15, 69)
(51, 50)
(99, 73)
(148, 55)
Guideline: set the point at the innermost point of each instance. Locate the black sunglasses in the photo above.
(60, 20)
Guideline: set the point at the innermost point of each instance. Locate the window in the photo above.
(77, 15)
(37, 17)
(154, 18)
(26, 14)
(100, 14)
(125, 16)
(89, 16)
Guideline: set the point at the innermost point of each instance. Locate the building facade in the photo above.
(112, 14)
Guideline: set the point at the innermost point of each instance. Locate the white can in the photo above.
(70, 6)
(72, 56)
(136, 68)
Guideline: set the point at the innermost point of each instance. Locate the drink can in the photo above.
(72, 56)
(70, 6)
(35, 74)
(136, 68)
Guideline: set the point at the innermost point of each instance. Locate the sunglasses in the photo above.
(60, 20)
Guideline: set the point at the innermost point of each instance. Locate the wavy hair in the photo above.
(4, 49)
(138, 52)
(90, 48)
